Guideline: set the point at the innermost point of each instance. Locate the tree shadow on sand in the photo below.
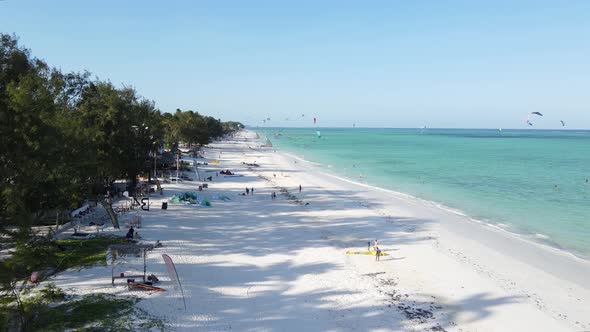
(249, 297)
(272, 291)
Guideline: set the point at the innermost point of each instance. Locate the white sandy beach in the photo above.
(258, 264)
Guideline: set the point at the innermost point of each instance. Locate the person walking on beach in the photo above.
(299, 188)
(247, 191)
(252, 191)
(377, 254)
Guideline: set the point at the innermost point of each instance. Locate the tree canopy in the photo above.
(67, 136)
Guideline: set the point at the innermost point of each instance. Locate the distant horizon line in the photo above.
(418, 128)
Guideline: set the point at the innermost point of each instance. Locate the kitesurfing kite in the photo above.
(314, 120)
(562, 123)
(528, 119)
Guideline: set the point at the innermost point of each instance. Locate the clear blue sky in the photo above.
(373, 63)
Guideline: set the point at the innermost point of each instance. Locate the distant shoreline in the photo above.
(533, 236)
(505, 259)
(526, 237)
(254, 128)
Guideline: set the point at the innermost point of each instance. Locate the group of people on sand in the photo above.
(132, 234)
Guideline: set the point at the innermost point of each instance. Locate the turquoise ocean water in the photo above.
(531, 182)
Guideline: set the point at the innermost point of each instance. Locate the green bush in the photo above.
(96, 310)
(47, 257)
(59, 255)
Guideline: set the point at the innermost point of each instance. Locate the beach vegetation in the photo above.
(51, 309)
(68, 136)
(47, 257)
(43, 254)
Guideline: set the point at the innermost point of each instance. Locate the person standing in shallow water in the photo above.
(299, 188)
(252, 191)
(247, 191)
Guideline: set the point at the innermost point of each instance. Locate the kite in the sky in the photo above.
(528, 119)
(562, 123)
(314, 120)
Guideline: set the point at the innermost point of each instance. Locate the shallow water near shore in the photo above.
(530, 182)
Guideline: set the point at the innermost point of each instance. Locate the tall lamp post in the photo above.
(177, 164)
(197, 169)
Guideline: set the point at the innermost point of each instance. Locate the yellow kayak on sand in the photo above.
(365, 253)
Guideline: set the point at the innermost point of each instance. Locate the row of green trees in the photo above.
(67, 136)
